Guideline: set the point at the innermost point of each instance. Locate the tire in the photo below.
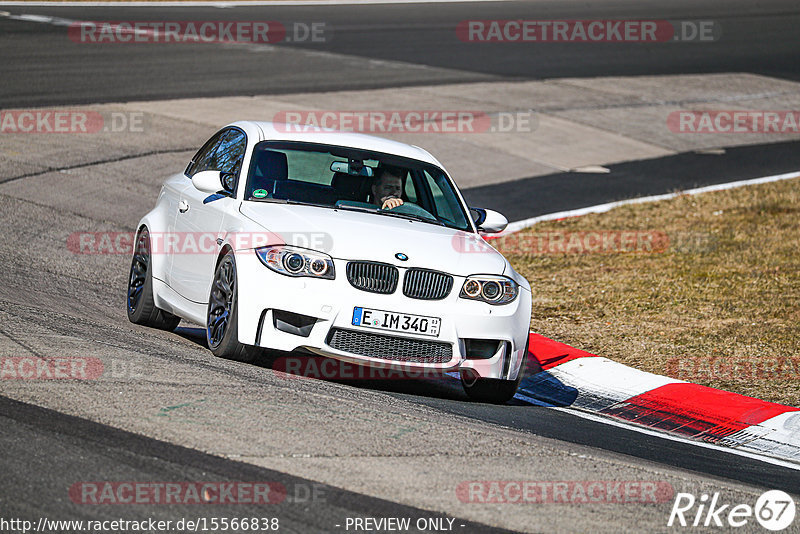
(492, 390)
(140, 303)
(222, 325)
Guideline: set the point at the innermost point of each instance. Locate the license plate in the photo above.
(396, 322)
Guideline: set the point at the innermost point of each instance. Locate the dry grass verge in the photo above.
(718, 304)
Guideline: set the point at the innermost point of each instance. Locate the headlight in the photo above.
(488, 288)
(294, 261)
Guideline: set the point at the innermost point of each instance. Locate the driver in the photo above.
(387, 187)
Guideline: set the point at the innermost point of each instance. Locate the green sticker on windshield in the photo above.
(260, 193)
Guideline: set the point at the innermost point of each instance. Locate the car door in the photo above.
(200, 215)
(174, 194)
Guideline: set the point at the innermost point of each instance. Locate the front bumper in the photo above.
(264, 295)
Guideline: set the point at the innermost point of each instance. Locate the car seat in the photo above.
(271, 167)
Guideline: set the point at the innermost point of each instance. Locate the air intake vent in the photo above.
(389, 347)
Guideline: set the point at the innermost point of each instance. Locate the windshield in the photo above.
(347, 178)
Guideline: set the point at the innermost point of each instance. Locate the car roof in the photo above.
(271, 131)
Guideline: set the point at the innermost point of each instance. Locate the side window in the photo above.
(224, 152)
(445, 201)
(442, 209)
(201, 160)
(410, 190)
(230, 153)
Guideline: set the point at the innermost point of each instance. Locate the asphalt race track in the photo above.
(40, 69)
(531, 197)
(167, 410)
(42, 435)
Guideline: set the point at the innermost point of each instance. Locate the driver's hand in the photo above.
(391, 202)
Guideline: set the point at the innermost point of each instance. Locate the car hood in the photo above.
(352, 235)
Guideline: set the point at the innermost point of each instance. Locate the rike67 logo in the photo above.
(774, 510)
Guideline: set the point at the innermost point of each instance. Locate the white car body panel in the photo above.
(348, 235)
(182, 282)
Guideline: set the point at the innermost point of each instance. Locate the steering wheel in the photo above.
(409, 208)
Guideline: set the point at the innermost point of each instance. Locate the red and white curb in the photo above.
(601, 389)
(583, 381)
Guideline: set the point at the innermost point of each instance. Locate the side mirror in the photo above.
(488, 221)
(207, 181)
(213, 181)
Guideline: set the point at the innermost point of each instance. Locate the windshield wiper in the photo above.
(411, 217)
(267, 199)
(288, 201)
(357, 208)
(301, 203)
(407, 216)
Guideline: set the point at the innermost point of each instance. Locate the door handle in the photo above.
(183, 206)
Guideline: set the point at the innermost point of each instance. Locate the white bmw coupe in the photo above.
(337, 244)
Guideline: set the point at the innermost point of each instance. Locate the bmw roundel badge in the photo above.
(400, 256)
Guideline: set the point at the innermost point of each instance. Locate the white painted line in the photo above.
(591, 169)
(240, 4)
(55, 21)
(33, 18)
(602, 208)
(249, 47)
(644, 430)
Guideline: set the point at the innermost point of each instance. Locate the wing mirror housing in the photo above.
(214, 181)
(488, 221)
